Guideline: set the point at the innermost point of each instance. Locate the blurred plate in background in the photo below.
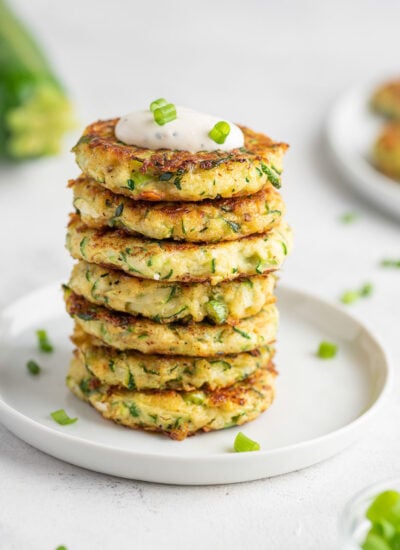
(352, 129)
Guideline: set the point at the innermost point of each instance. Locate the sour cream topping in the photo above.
(188, 132)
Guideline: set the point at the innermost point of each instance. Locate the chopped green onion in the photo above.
(119, 210)
(327, 350)
(366, 290)
(244, 444)
(260, 267)
(390, 263)
(220, 132)
(62, 418)
(272, 177)
(351, 296)
(33, 367)
(131, 382)
(61, 548)
(384, 514)
(375, 542)
(348, 217)
(382, 528)
(85, 386)
(233, 225)
(157, 103)
(217, 310)
(43, 341)
(164, 114)
(395, 541)
(194, 398)
(386, 506)
(133, 410)
(242, 333)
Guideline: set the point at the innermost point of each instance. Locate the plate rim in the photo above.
(380, 398)
(381, 184)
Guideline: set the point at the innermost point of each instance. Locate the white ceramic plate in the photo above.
(352, 128)
(321, 406)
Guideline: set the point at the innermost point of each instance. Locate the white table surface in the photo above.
(276, 66)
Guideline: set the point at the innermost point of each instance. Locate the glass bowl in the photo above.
(353, 525)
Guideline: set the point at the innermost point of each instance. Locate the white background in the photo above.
(275, 66)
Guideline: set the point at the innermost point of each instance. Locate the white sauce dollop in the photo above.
(188, 132)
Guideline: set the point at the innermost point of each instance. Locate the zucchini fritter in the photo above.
(136, 371)
(386, 152)
(166, 175)
(179, 261)
(176, 414)
(167, 302)
(207, 221)
(123, 331)
(386, 100)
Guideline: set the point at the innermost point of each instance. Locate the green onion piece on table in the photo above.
(220, 132)
(390, 263)
(62, 418)
(348, 217)
(244, 444)
(351, 296)
(327, 350)
(33, 367)
(366, 290)
(43, 341)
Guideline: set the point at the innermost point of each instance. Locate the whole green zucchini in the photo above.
(34, 109)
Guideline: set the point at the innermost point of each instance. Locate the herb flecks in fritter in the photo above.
(179, 414)
(191, 176)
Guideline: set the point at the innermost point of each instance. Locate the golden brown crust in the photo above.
(178, 260)
(236, 392)
(143, 372)
(128, 332)
(172, 302)
(167, 175)
(101, 136)
(205, 221)
(173, 413)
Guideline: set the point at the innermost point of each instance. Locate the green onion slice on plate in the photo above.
(43, 341)
(244, 444)
(33, 367)
(327, 350)
(62, 418)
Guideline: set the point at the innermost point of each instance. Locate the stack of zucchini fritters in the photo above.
(172, 295)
